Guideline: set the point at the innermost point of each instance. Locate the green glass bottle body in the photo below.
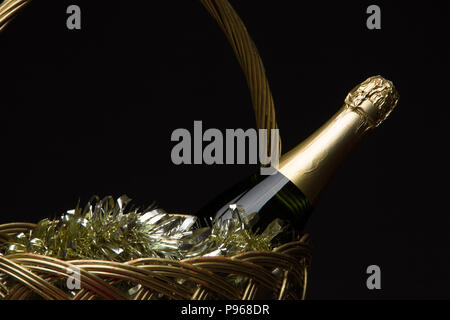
(270, 196)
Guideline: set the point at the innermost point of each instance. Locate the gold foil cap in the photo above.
(375, 98)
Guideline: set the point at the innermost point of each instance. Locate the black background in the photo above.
(91, 112)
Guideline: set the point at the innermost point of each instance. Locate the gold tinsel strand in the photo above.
(105, 229)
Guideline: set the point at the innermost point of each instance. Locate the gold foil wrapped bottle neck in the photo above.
(376, 97)
(312, 164)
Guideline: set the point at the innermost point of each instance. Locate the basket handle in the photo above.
(250, 61)
(8, 9)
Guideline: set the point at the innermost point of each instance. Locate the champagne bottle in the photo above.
(291, 193)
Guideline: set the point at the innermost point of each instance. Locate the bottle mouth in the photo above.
(375, 98)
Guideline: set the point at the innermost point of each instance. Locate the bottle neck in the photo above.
(312, 164)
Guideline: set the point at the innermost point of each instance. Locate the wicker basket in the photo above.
(36, 276)
(277, 274)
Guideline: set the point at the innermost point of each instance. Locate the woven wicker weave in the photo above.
(279, 274)
(34, 276)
